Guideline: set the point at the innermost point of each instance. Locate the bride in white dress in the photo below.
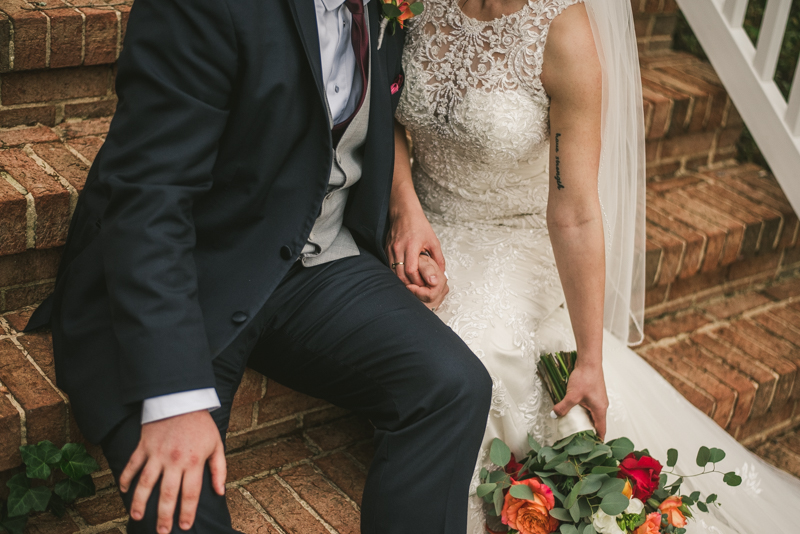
(528, 158)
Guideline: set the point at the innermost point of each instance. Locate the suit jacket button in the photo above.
(239, 317)
(286, 253)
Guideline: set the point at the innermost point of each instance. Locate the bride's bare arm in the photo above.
(572, 77)
(410, 233)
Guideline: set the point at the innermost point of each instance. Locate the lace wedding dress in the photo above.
(478, 117)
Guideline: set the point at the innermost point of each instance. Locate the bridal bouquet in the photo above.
(581, 485)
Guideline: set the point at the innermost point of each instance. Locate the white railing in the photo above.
(748, 73)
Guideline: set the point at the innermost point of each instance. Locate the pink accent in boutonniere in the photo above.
(398, 83)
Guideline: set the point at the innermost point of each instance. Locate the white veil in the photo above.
(622, 167)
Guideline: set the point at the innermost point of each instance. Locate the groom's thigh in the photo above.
(351, 333)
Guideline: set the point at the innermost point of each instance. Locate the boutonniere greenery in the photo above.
(396, 12)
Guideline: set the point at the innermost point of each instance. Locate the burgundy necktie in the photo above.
(360, 41)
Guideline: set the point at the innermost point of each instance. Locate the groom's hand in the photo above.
(587, 388)
(410, 235)
(175, 450)
(435, 288)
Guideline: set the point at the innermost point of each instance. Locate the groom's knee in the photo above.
(464, 386)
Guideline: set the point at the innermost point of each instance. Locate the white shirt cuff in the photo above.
(163, 406)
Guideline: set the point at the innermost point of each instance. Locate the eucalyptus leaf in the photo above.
(602, 469)
(496, 476)
(498, 501)
(548, 453)
(567, 469)
(533, 444)
(711, 498)
(672, 457)
(76, 462)
(499, 453)
(593, 483)
(572, 498)
(522, 491)
(621, 447)
(662, 480)
(589, 529)
(482, 490)
(695, 495)
(580, 446)
(564, 442)
(611, 486)
(702, 506)
(417, 8)
(614, 503)
(585, 507)
(599, 450)
(717, 455)
(556, 492)
(556, 460)
(561, 514)
(391, 11)
(566, 528)
(575, 512)
(732, 479)
(703, 456)
(484, 473)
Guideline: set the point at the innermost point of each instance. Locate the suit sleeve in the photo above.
(174, 81)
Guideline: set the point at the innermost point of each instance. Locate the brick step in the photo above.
(783, 451)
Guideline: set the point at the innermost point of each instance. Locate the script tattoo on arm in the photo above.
(559, 183)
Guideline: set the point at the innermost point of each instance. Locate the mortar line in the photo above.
(304, 504)
(257, 505)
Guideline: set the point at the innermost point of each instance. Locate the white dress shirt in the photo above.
(343, 88)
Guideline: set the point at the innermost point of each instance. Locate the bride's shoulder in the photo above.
(570, 53)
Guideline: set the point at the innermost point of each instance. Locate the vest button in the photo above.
(239, 317)
(286, 253)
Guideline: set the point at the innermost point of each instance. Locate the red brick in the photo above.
(18, 297)
(55, 84)
(734, 305)
(125, 11)
(64, 163)
(10, 435)
(282, 506)
(679, 108)
(325, 500)
(662, 169)
(703, 284)
(22, 136)
(102, 508)
(45, 411)
(5, 42)
(673, 250)
(771, 218)
(241, 418)
(695, 241)
(784, 289)
(699, 398)
(19, 318)
(772, 421)
(40, 348)
(325, 415)
(49, 524)
(278, 407)
(101, 36)
(28, 116)
(30, 40)
(662, 111)
(345, 474)
(776, 453)
(66, 38)
(82, 128)
(88, 147)
(671, 326)
(363, 453)
(655, 296)
(13, 221)
(697, 90)
(250, 389)
(244, 517)
(763, 265)
(91, 110)
(341, 433)
(686, 144)
(49, 197)
(266, 457)
(259, 435)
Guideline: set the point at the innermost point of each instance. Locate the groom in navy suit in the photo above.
(237, 215)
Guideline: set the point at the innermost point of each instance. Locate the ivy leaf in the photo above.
(620, 448)
(76, 462)
(522, 491)
(20, 503)
(561, 514)
(12, 525)
(38, 459)
(56, 506)
(717, 455)
(70, 489)
(18, 482)
(703, 456)
(672, 457)
(499, 452)
(732, 479)
(614, 503)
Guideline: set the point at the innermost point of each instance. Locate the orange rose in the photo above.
(671, 507)
(652, 525)
(530, 517)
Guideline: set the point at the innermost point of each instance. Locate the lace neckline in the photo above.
(498, 20)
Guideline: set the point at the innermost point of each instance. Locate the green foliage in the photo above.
(42, 461)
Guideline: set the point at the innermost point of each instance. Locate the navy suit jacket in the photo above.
(203, 195)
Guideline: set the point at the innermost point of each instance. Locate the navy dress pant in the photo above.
(349, 332)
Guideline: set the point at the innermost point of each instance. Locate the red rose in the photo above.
(643, 475)
(512, 467)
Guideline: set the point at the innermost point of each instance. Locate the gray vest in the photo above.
(329, 240)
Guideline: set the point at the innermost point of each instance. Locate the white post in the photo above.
(734, 11)
(770, 38)
(793, 110)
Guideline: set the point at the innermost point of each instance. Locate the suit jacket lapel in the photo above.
(305, 18)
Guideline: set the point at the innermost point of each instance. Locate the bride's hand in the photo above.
(587, 388)
(434, 291)
(410, 235)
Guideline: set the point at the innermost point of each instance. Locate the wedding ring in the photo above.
(395, 264)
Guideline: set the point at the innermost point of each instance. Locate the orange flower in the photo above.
(407, 14)
(671, 507)
(652, 525)
(530, 516)
(627, 490)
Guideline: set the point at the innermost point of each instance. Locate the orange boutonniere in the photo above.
(397, 12)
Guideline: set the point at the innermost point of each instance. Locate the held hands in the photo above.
(587, 388)
(416, 257)
(175, 450)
